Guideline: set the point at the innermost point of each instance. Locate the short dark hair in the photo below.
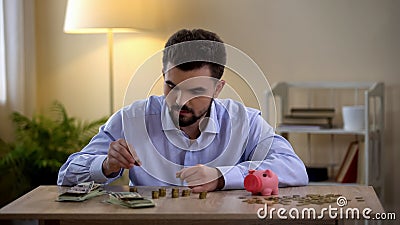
(208, 48)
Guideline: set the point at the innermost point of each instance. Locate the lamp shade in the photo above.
(102, 16)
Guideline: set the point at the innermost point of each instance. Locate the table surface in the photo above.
(40, 204)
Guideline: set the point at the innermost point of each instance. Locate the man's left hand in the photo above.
(201, 178)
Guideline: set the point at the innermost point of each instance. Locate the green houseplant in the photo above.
(42, 145)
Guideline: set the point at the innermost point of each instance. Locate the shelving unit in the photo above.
(373, 101)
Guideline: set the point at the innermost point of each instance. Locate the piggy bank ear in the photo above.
(251, 171)
(268, 172)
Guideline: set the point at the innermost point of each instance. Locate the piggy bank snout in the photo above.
(252, 183)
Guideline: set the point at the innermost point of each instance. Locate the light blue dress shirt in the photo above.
(233, 139)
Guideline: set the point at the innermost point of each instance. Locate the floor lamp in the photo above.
(103, 16)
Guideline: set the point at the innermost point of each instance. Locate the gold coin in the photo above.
(162, 192)
(133, 189)
(154, 194)
(186, 193)
(203, 195)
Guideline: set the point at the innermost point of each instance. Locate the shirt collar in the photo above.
(210, 124)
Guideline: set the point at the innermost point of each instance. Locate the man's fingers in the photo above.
(122, 150)
(195, 181)
(199, 189)
(200, 177)
(131, 151)
(186, 173)
(134, 155)
(120, 155)
(116, 158)
(123, 143)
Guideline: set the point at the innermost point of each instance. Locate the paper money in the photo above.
(83, 188)
(80, 192)
(130, 199)
(71, 197)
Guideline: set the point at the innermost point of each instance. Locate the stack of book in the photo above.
(309, 118)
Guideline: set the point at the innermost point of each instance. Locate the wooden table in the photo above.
(221, 207)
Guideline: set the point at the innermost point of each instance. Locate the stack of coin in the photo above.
(186, 193)
(154, 194)
(133, 189)
(162, 192)
(175, 193)
(203, 195)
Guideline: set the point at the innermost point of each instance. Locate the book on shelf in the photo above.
(294, 120)
(313, 112)
(361, 163)
(315, 117)
(348, 170)
(300, 127)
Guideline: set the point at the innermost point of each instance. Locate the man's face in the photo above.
(189, 94)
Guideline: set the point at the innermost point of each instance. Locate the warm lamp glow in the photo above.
(105, 16)
(99, 16)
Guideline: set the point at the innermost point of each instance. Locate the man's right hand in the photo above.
(119, 156)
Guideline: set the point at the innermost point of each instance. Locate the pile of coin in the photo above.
(186, 193)
(162, 192)
(308, 199)
(203, 195)
(133, 189)
(175, 193)
(154, 194)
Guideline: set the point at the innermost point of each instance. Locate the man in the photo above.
(188, 136)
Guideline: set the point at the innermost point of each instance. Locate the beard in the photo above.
(185, 120)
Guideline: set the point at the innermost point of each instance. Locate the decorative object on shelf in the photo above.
(104, 16)
(264, 182)
(353, 117)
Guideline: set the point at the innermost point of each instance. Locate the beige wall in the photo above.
(310, 40)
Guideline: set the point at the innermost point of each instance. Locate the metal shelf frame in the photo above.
(373, 118)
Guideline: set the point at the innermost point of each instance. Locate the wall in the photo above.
(308, 40)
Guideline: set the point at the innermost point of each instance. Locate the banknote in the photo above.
(81, 192)
(130, 199)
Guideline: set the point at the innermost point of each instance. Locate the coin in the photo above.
(175, 193)
(154, 194)
(133, 189)
(186, 193)
(203, 195)
(162, 192)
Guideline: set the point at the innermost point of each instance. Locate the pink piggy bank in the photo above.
(264, 182)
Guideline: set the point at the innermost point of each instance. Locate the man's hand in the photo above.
(202, 178)
(119, 156)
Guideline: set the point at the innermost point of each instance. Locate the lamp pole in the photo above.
(110, 40)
